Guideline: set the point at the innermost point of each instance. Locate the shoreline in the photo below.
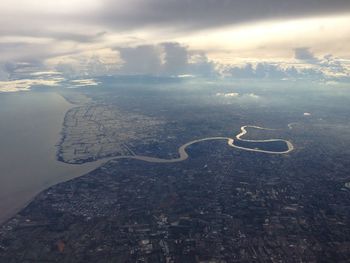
(183, 155)
(27, 172)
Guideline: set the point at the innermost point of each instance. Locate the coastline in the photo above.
(32, 126)
(60, 172)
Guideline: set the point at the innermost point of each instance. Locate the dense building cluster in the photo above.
(218, 206)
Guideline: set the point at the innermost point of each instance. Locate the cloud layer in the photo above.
(189, 14)
(184, 14)
(245, 39)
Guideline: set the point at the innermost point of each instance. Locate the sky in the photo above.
(48, 41)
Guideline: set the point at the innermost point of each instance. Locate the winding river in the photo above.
(183, 155)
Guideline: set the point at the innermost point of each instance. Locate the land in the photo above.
(222, 204)
(93, 132)
(218, 206)
(275, 146)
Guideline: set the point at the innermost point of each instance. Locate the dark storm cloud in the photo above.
(187, 14)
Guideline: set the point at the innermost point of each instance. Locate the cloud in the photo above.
(22, 76)
(3, 74)
(305, 54)
(175, 58)
(143, 59)
(191, 14)
(67, 19)
(26, 84)
(253, 96)
(328, 64)
(84, 82)
(169, 59)
(45, 73)
(98, 62)
(266, 70)
(20, 70)
(200, 65)
(76, 36)
(231, 97)
(333, 65)
(228, 95)
(259, 71)
(163, 59)
(71, 36)
(102, 37)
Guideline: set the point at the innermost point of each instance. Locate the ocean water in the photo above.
(30, 126)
